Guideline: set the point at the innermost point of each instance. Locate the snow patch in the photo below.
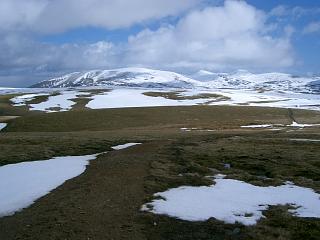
(188, 129)
(23, 183)
(258, 126)
(21, 100)
(233, 201)
(123, 146)
(2, 126)
(55, 103)
(196, 129)
(61, 102)
(270, 126)
(300, 125)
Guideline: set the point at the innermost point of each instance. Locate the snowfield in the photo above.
(121, 98)
(233, 201)
(124, 98)
(134, 97)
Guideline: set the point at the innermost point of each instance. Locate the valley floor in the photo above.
(181, 146)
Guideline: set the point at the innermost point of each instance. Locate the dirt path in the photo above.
(102, 203)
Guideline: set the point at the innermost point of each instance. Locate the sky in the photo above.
(42, 39)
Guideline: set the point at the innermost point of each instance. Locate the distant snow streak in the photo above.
(123, 146)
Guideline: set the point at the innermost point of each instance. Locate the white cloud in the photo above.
(60, 15)
(312, 27)
(230, 36)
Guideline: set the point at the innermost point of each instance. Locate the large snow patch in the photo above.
(23, 183)
(233, 201)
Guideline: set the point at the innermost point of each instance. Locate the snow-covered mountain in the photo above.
(129, 77)
(243, 79)
(149, 78)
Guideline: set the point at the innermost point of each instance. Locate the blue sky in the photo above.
(40, 39)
